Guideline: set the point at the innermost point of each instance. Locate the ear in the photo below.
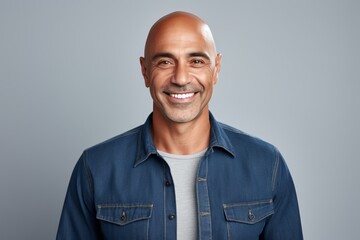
(217, 67)
(143, 71)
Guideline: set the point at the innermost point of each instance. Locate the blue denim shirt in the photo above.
(122, 189)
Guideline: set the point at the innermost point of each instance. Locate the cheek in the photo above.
(206, 76)
(160, 77)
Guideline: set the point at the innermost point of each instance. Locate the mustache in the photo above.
(182, 89)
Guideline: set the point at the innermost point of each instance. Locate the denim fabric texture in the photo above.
(122, 189)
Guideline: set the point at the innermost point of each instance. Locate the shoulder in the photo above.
(114, 147)
(118, 139)
(242, 141)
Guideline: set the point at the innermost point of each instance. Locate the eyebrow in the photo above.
(199, 54)
(162, 55)
(170, 55)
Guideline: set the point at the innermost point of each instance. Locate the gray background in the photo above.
(70, 78)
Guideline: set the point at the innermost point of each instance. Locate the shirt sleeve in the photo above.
(78, 217)
(285, 223)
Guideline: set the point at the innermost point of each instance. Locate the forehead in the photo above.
(179, 36)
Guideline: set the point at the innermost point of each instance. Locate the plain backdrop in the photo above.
(70, 78)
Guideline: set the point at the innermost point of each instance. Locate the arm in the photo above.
(78, 218)
(285, 223)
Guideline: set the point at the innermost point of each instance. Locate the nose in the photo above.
(181, 75)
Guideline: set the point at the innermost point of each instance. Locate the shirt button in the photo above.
(171, 216)
(123, 217)
(251, 216)
(167, 183)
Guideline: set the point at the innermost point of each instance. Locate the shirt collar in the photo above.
(146, 147)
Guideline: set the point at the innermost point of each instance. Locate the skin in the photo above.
(180, 67)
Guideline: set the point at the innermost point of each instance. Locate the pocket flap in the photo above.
(249, 212)
(123, 214)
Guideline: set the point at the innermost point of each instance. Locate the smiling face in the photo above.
(180, 67)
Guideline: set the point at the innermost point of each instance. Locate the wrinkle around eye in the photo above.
(198, 63)
(163, 63)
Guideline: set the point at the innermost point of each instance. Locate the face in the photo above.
(180, 68)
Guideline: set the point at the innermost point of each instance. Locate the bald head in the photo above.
(180, 68)
(179, 26)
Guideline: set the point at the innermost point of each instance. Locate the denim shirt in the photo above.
(122, 189)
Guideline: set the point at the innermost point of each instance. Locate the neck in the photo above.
(181, 138)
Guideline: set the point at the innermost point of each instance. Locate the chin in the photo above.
(182, 118)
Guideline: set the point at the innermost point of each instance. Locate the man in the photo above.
(181, 175)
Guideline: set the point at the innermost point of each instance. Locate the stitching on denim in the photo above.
(269, 201)
(164, 199)
(228, 230)
(215, 142)
(276, 166)
(207, 190)
(197, 199)
(204, 213)
(147, 230)
(249, 222)
(140, 158)
(125, 205)
(113, 220)
(106, 218)
(146, 215)
(89, 175)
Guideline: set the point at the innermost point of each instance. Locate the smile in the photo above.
(182, 95)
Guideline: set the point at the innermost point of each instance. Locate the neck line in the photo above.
(181, 138)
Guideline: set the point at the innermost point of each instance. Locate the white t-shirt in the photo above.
(183, 170)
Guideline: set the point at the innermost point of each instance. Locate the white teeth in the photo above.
(181, 96)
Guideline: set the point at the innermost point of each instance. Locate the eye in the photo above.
(197, 62)
(164, 63)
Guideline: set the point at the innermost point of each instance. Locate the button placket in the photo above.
(169, 204)
(167, 183)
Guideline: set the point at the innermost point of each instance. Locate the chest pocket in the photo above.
(124, 221)
(247, 220)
